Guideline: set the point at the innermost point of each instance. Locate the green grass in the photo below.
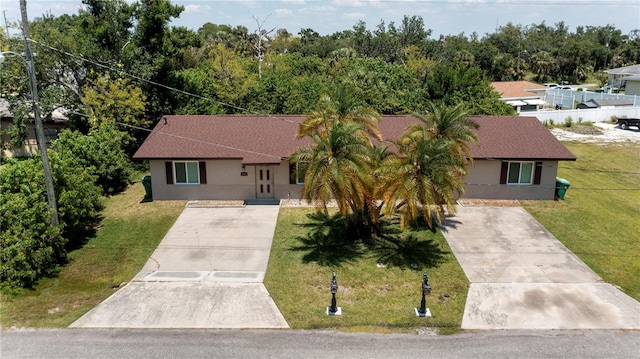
(128, 234)
(372, 299)
(599, 226)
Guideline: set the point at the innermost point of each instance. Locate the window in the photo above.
(186, 172)
(300, 172)
(520, 173)
(297, 173)
(50, 134)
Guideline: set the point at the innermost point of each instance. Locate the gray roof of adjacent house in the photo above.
(611, 102)
(602, 102)
(626, 70)
(58, 115)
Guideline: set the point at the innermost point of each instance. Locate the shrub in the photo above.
(568, 122)
(102, 153)
(78, 198)
(30, 247)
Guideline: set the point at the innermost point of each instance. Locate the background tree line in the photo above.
(397, 67)
(118, 66)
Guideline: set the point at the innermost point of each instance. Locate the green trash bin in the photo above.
(561, 187)
(146, 182)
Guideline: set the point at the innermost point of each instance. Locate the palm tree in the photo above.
(339, 106)
(431, 164)
(543, 64)
(336, 167)
(449, 123)
(422, 179)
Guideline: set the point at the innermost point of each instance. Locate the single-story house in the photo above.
(605, 103)
(521, 95)
(616, 77)
(52, 124)
(632, 85)
(245, 157)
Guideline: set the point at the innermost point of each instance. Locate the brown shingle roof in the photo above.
(268, 139)
(517, 89)
(517, 137)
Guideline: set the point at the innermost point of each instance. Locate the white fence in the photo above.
(584, 115)
(567, 100)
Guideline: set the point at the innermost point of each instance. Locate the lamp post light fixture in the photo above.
(333, 309)
(423, 311)
(40, 138)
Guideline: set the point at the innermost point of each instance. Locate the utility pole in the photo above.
(42, 143)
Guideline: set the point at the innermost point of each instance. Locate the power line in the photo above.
(170, 88)
(152, 132)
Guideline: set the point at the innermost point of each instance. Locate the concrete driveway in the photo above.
(522, 277)
(206, 273)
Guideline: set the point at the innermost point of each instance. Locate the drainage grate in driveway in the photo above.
(213, 276)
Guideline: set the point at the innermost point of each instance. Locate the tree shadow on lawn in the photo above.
(333, 240)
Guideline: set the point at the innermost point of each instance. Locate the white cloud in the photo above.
(317, 10)
(354, 16)
(192, 9)
(356, 3)
(283, 12)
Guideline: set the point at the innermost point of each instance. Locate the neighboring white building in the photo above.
(523, 96)
(617, 77)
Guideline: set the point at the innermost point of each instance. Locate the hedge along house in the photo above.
(245, 157)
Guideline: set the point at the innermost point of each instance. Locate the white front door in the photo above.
(264, 182)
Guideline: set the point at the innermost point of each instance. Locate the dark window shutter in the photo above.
(503, 172)
(168, 167)
(292, 173)
(203, 172)
(537, 173)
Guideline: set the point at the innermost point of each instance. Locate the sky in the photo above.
(443, 17)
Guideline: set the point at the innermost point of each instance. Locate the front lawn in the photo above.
(598, 220)
(372, 298)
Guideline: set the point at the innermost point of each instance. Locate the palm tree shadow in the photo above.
(409, 252)
(327, 250)
(330, 241)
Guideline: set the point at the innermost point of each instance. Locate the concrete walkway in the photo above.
(522, 277)
(206, 273)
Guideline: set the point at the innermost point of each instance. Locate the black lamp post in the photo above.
(333, 308)
(423, 311)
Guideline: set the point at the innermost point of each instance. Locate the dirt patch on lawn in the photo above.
(599, 132)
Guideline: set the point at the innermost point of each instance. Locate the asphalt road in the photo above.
(165, 343)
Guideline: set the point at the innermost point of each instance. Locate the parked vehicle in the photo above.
(624, 123)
